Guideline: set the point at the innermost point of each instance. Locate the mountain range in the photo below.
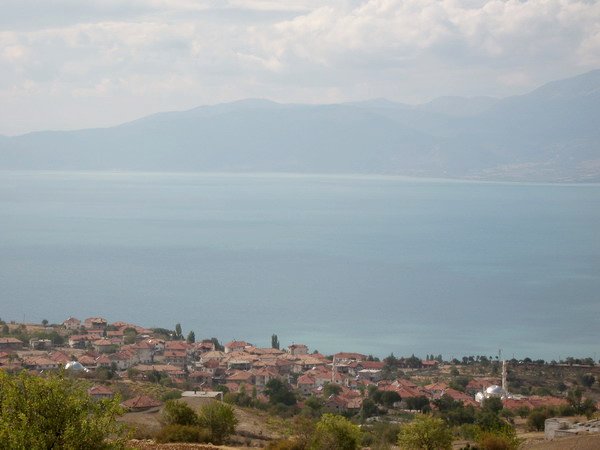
(549, 134)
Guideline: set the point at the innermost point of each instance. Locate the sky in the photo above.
(69, 64)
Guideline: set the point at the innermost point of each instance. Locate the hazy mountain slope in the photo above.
(552, 133)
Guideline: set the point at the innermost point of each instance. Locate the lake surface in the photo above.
(375, 265)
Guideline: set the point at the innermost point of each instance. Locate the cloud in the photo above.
(172, 54)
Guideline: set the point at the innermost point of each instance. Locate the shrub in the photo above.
(55, 412)
(182, 433)
(178, 413)
(536, 420)
(504, 440)
(219, 419)
(426, 433)
(336, 433)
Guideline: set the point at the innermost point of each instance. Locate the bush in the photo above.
(55, 412)
(425, 432)
(336, 433)
(286, 444)
(505, 440)
(182, 433)
(171, 395)
(219, 419)
(536, 420)
(179, 413)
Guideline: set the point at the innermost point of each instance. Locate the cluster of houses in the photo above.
(95, 344)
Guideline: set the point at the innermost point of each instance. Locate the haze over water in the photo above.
(369, 264)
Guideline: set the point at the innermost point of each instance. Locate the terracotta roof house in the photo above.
(141, 403)
(103, 345)
(235, 346)
(95, 323)
(72, 323)
(100, 392)
(10, 343)
(297, 349)
(40, 363)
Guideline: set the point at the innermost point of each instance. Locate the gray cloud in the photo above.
(72, 63)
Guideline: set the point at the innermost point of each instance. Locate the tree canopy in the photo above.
(55, 412)
(425, 433)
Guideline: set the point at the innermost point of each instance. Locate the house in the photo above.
(79, 340)
(238, 364)
(235, 346)
(87, 361)
(297, 349)
(347, 357)
(336, 404)
(241, 377)
(72, 324)
(373, 375)
(123, 359)
(306, 384)
(144, 352)
(10, 343)
(263, 376)
(95, 323)
(40, 363)
(175, 357)
(103, 345)
(103, 361)
(141, 403)
(100, 392)
(40, 344)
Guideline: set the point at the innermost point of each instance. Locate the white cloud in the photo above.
(140, 56)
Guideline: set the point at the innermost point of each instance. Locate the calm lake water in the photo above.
(375, 265)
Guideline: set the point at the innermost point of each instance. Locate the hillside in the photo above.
(549, 134)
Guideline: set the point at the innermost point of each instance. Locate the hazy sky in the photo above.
(68, 64)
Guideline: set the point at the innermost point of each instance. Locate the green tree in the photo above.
(331, 389)
(279, 392)
(179, 413)
(191, 337)
(425, 433)
(274, 341)
(44, 322)
(420, 403)
(54, 412)
(335, 433)
(178, 332)
(368, 409)
(536, 420)
(219, 419)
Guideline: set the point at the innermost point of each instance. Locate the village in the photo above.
(112, 355)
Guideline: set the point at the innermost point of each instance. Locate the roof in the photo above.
(236, 344)
(10, 340)
(140, 402)
(99, 390)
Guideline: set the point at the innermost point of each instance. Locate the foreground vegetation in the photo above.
(55, 412)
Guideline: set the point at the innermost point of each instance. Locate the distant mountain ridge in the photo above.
(549, 134)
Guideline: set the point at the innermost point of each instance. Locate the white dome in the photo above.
(75, 365)
(479, 397)
(494, 390)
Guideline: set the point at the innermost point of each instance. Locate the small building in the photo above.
(100, 392)
(72, 324)
(235, 346)
(298, 349)
(10, 343)
(95, 323)
(141, 403)
(40, 344)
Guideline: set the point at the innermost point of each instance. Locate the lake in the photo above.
(368, 264)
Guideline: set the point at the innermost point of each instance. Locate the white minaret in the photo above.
(504, 388)
(333, 371)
